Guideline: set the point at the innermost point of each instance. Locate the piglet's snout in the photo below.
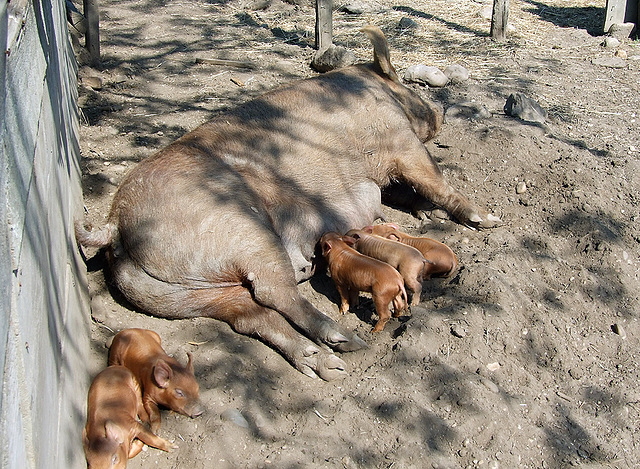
(195, 409)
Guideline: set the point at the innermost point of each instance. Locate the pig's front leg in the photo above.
(153, 412)
(152, 439)
(277, 290)
(418, 169)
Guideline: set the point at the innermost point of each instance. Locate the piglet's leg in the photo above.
(345, 298)
(152, 439)
(154, 414)
(417, 168)
(136, 447)
(382, 308)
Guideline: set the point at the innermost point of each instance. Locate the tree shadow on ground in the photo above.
(589, 18)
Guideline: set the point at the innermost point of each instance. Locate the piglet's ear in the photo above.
(162, 373)
(368, 229)
(189, 363)
(113, 432)
(394, 237)
(350, 241)
(326, 247)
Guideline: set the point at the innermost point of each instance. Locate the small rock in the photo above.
(521, 106)
(622, 31)
(610, 42)
(618, 329)
(490, 385)
(486, 12)
(258, 5)
(521, 187)
(458, 331)
(353, 9)
(493, 366)
(407, 23)
(426, 75)
(331, 58)
(92, 82)
(234, 415)
(575, 373)
(456, 73)
(621, 53)
(609, 62)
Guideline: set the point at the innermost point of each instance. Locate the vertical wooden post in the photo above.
(92, 43)
(499, 19)
(324, 24)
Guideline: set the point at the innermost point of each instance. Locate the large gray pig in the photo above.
(223, 222)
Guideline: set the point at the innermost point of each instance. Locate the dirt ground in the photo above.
(527, 357)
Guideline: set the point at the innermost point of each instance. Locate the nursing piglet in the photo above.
(443, 261)
(164, 381)
(113, 434)
(407, 260)
(353, 272)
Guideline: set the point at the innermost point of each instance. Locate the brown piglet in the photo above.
(407, 260)
(163, 380)
(443, 260)
(353, 272)
(113, 434)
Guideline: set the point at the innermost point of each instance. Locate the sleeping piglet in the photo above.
(443, 261)
(113, 434)
(353, 272)
(163, 380)
(407, 260)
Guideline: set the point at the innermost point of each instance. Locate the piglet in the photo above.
(113, 434)
(443, 261)
(353, 272)
(407, 260)
(163, 380)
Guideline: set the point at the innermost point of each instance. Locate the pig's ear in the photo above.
(349, 241)
(189, 363)
(394, 226)
(162, 373)
(368, 229)
(112, 432)
(394, 237)
(326, 247)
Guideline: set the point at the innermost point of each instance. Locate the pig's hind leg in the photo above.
(236, 307)
(416, 167)
(233, 303)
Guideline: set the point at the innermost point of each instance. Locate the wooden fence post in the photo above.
(92, 43)
(499, 19)
(324, 24)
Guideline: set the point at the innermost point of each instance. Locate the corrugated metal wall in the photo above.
(44, 332)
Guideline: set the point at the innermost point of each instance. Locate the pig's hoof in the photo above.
(315, 363)
(484, 221)
(342, 343)
(331, 367)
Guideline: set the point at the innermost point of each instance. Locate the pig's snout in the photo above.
(194, 410)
